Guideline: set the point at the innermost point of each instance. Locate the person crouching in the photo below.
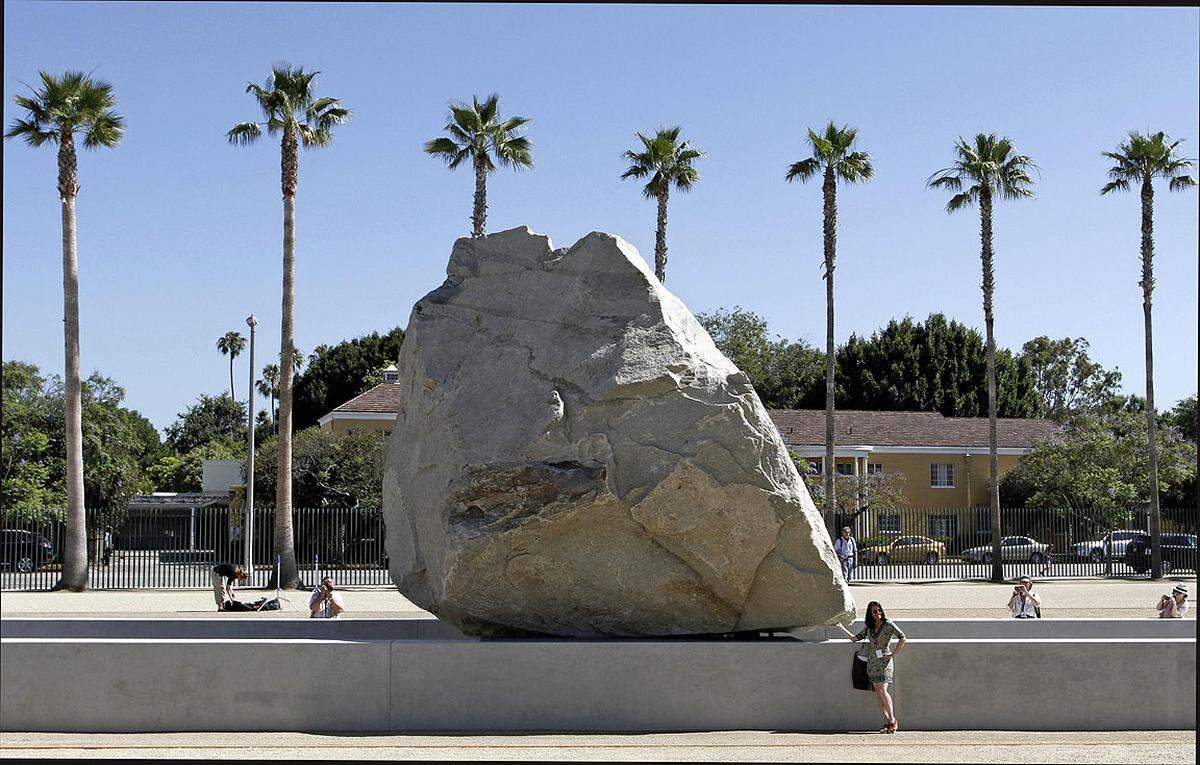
(325, 603)
(223, 577)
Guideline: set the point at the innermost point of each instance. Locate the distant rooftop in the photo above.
(856, 427)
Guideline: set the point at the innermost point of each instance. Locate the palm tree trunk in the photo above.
(660, 239)
(479, 214)
(74, 555)
(829, 187)
(285, 543)
(231, 396)
(989, 287)
(1151, 426)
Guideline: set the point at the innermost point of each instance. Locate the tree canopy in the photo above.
(338, 373)
(328, 469)
(211, 418)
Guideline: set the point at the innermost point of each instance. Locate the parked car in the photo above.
(1011, 549)
(1178, 552)
(24, 550)
(1095, 549)
(904, 550)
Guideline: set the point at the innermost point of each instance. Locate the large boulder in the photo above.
(575, 457)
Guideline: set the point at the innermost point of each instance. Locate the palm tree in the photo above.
(269, 385)
(668, 162)
(476, 133)
(65, 105)
(231, 344)
(991, 169)
(833, 160)
(292, 111)
(1141, 159)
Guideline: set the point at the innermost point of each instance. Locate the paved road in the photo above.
(731, 746)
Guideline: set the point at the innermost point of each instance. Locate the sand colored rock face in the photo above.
(575, 457)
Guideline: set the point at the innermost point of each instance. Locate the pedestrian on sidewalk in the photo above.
(847, 552)
(1047, 561)
(878, 633)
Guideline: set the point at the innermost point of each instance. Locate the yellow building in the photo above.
(373, 410)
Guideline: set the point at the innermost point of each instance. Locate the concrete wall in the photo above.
(119, 685)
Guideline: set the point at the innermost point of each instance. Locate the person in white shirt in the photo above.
(847, 552)
(1024, 602)
(1175, 605)
(325, 603)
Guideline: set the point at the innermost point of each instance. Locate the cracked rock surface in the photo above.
(575, 457)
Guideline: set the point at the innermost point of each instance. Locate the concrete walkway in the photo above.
(1062, 599)
(733, 746)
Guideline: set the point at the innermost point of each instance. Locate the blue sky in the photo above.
(180, 234)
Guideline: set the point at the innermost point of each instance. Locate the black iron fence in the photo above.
(176, 548)
(956, 543)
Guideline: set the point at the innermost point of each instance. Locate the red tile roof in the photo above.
(385, 398)
(855, 427)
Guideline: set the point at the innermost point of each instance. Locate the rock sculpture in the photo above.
(575, 457)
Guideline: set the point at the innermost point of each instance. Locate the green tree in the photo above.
(268, 385)
(1183, 417)
(1067, 381)
(185, 472)
(1141, 160)
(931, 366)
(338, 373)
(785, 374)
(834, 161)
(292, 111)
(231, 344)
(989, 168)
(329, 469)
(65, 105)
(667, 162)
(27, 491)
(210, 419)
(477, 133)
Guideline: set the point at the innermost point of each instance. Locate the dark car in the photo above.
(1178, 552)
(24, 550)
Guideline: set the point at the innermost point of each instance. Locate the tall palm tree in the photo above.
(268, 385)
(1142, 159)
(291, 110)
(667, 161)
(476, 133)
(833, 160)
(63, 106)
(990, 169)
(231, 344)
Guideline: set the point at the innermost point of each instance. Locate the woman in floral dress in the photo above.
(879, 633)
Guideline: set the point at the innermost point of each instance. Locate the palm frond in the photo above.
(32, 132)
(1181, 182)
(1118, 185)
(803, 170)
(961, 200)
(244, 134)
(104, 131)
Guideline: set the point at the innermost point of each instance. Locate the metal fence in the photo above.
(170, 549)
(174, 548)
(956, 543)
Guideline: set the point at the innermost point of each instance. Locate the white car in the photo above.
(1095, 549)
(1011, 549)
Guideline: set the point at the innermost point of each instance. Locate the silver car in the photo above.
(1011, 549)
(1095, 549)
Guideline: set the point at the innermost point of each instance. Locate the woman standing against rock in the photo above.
(879, 632)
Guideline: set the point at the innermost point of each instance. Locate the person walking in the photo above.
(108, 546)
(1047, 561)
(847, 552)
(878, 633)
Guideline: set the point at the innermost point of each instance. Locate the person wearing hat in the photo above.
(1175, 605)
(1025, 603)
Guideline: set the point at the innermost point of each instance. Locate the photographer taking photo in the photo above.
(325, 603)
(1175, 605)
(1025, 603)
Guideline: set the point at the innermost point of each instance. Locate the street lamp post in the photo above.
(249, 508)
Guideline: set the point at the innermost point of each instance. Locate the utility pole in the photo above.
(249, 507)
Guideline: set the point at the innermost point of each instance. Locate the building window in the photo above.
(845, 468)
(874, 468)
(943, 526)
(941, 475)
(888, 524)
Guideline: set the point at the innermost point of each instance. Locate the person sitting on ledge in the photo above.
(1025, 603)
(325, 603)
(223, 577)
(1175, 605)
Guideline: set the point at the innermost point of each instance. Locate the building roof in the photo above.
(384, 398)
(182, 499)
(856, 427)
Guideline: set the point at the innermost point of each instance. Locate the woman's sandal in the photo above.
(893, 726)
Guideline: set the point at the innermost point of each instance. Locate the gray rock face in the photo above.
(575, 457)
